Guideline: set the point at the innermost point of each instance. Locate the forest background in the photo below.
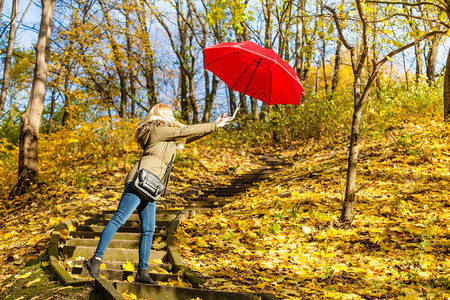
(375, 61)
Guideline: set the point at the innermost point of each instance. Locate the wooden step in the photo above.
(158, 211)
(128, 223)
(133, 217)
(132, 236)
(123, 275)
(127, 244)
(95, 228)
(117, 265)
(163, 292)
(110, 253)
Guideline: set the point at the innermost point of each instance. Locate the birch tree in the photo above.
(362, 85)
(30, 120)
(9, 52)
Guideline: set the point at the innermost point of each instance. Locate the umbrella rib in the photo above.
(231, 53)
(274, 60)
(219, 58)
(257, 65)
(242, 74)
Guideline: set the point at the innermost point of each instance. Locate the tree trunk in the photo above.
(309, 42)
(253, 102)
(66, 106)
(347, 212)
(243, 105)
(419, 61)
(182, 31)
(183, 96)
(130, 60)
(2, 2)
(209, 99)
(406, 71)
(267, 10)
(193, 104)
(147, 65)
(210, 90)
(117, 57)
(9, 52)
(431, 60)
(52, 111)
(337, 69)
(232, 99)
(324, 66)
(30, 120)
(150, 84)
(255, 108)
(447, 90)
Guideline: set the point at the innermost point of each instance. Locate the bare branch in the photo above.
(365, 41)
(338, 26)
(407, 3)
(415, 42)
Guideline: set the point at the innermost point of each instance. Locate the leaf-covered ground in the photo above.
(82, 176)
(281, 236)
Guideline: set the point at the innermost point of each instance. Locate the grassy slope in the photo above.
(280, 237)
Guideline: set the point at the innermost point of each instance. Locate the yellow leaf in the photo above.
(130, 296)
(32, 282)
(159, 245)
(26, 275)
(161, 270)
(130, 278)
(45, 264)
(201, 242)
(102, 266)
(261, 285)
(306, 229)
(128, 266)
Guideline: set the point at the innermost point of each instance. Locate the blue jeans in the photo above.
(147, 210)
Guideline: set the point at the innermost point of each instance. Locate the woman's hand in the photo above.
(222, 120)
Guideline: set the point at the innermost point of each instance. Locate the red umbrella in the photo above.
(256, 71)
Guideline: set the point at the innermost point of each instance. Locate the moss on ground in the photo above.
(38, 282)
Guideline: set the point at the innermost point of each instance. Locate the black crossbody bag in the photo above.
(147, 185)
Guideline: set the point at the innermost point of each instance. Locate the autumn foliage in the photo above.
(280, 236)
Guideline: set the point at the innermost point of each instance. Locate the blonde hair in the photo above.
(164, 111)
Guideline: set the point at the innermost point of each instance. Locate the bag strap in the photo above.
(167, 175)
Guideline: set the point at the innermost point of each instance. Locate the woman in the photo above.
(159, 136)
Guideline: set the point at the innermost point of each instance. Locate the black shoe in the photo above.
(93, 266)
(142, 276)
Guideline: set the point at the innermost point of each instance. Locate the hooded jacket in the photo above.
(158, 138)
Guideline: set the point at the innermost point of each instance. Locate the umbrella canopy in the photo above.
(255, 71)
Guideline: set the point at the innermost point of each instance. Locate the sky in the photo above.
(25, 37)
(27, 33)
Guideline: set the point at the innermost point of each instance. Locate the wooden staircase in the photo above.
(165, 264)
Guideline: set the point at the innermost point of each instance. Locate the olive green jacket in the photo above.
(158, 140)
